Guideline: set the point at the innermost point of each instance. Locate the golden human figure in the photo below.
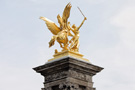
(75, 40)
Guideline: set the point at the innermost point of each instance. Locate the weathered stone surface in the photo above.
(68, 74)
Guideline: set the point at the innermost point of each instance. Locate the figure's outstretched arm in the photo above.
(82, 23)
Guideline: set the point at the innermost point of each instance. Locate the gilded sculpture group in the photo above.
(62, 32)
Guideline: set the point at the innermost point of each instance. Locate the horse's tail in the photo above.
(52, 41)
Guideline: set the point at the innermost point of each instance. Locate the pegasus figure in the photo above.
(60, 32)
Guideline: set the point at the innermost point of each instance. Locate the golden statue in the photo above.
(62, 32)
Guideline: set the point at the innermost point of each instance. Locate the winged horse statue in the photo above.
(62, 32)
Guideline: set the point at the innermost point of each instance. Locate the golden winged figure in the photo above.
(61, 32)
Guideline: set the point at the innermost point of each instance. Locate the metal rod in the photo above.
(80, 11)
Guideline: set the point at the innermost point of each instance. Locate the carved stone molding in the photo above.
(80, 76)
(69, 73)
(56, 76)
(48, 88)
(42, 88)
(69, 86)
(88, 88)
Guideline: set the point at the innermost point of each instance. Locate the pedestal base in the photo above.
(67, 53)
(68, 74)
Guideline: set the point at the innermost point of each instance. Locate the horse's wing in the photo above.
(66, 13)
(51, 26)
(60, 21)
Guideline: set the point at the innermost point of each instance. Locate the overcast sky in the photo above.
(107, 39)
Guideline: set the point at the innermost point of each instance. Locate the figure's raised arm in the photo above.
(82, 23)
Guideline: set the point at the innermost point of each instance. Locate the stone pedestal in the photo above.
(68, 74)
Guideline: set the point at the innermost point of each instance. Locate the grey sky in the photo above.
(107, 39)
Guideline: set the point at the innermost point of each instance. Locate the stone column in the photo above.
(68, 74)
